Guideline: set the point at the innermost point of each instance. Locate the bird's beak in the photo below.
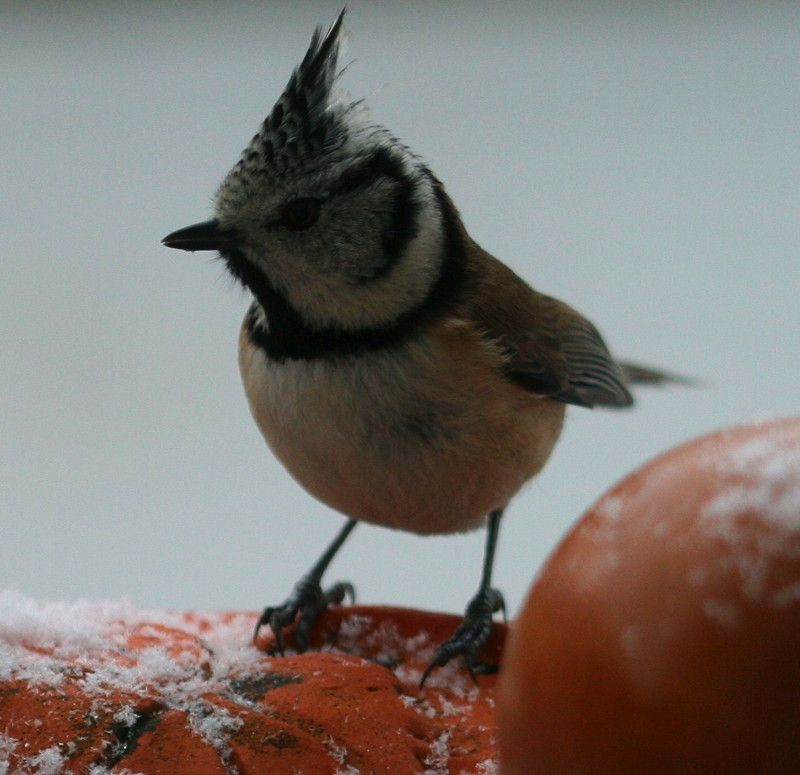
(202, 236)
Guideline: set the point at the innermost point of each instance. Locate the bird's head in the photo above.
(327, 213)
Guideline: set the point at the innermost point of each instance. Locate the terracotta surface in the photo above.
(108, 689)
(663, 635)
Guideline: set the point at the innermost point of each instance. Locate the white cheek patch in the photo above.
(335, 300)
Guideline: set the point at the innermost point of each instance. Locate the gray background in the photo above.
(639, 161)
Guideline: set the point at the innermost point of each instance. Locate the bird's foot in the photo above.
(305, 604)
(473, 633)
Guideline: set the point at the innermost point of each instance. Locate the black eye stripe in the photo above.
(381, 164)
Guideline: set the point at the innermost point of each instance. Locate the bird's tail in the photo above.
(636, 374)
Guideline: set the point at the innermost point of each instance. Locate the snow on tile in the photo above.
(436, 760)
(93, 645)
(50, 761)
(130, 663)
(7, 746)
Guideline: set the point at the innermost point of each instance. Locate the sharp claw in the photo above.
(305, 604)
(425, 676)
(338, 592)
(470, 636)
(428, 670)
(264, 619)
(443, 655)
(257, 630)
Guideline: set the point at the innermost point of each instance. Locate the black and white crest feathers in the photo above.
(304, 125)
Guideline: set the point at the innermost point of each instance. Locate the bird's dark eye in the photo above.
(300, 214)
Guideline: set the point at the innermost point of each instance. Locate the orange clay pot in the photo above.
(105, 689)
(663, 635)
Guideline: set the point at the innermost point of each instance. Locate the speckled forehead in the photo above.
(245, 191)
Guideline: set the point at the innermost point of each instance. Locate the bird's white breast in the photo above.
(426, 437)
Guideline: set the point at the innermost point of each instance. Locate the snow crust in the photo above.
(756, 512)
(89, 642)
(752, 512)
(763, 477)
(179, 661)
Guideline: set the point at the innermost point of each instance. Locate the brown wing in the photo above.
(551, 349)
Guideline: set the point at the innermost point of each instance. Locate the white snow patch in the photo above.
(756, 512)
(354, 626)
(424, 708)
(126, 715)
(18, 663)
(7, 746)
(765, 479)
(48, 761)
(436, 760)
(88, 642)
(611, 507)
(452, 709)
(411, 675)
(77, 636)
(214, 724)
(339, 754)
(70, 627)
(449, 676)
(154, 669)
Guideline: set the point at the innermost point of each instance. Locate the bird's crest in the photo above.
(307, 121)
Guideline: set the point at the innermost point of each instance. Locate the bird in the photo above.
(402, 374)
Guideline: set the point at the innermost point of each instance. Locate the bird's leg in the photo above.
(308, 599)
(477, 625)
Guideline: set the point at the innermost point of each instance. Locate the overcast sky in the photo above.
(642, 163)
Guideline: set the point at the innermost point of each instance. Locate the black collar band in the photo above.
(289, 337)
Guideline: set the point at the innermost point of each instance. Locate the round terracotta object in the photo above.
(104, 689)
(663, 635)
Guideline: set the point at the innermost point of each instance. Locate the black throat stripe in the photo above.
(290, 337)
